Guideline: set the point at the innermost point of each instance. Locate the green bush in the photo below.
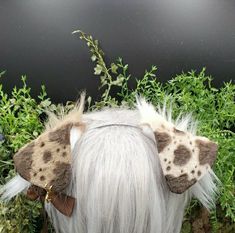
(21, 120)
(19, 123)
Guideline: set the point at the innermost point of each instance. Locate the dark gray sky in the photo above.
(174, 35)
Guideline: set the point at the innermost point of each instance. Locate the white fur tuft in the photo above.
(149, 115)
(164, 115)
(15, 186)
(206, 189)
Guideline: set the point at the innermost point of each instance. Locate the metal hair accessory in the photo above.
(49, 193)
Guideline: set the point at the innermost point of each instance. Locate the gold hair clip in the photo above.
(49, 193)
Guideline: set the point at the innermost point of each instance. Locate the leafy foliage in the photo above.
(22, 117)
(19, 123)
(189, 92)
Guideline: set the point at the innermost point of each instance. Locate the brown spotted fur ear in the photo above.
(184, 158)
(47, 159)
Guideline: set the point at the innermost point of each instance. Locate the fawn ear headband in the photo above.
(46, 161)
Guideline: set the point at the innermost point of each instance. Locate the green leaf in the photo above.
(93, 57)
(98, 69)
(114, 68)
(2, 73)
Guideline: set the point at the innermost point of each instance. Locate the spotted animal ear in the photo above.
(184, 157)
(46, 161)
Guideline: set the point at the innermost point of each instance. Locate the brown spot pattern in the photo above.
(64, 154)
(23, 160)
(179, 184)
(207, 152)
(42, 178)
(29, 160)
(39, 191)
(47, 156)
(61, 135)
(182, 155)
(62, 173)
(168, 168)
(163, 140)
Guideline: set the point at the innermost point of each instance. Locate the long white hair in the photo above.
(118, 182)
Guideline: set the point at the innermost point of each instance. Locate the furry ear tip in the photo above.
(81, 102)
(143, 105)
(139, 100)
